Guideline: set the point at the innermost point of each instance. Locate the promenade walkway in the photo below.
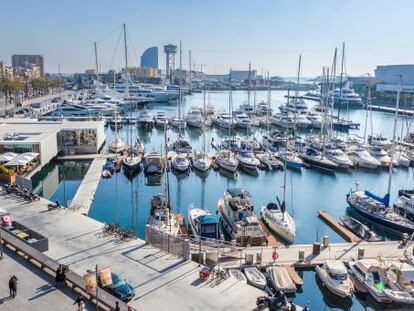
(161, 281)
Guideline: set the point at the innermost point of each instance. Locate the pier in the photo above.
(83, 198)
(341, 230)
(407, 112)
(270, 238)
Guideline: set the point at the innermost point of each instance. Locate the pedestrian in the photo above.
(80, 303)
(13, 286)
(58, 276)
(117, 306)
(63, 277)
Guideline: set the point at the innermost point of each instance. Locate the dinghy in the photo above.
(255, 277)
(238, 275)
(280, 279)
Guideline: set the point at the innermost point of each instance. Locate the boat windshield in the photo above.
(337, 276)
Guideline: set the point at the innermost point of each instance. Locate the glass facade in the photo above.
(77, 138)
(20, 148)
(149, 58)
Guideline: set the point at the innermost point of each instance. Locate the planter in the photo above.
(8, 179)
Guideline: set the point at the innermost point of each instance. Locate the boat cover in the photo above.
(385, 200)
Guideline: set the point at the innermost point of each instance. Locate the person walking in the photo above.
(117, 308)
(13, 286)
(58, 276)
(80, 303)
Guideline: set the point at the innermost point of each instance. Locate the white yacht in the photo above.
(400, 280)
(316, 119)
(346, 95)
(227, 160)
(302, 121)
(194, 118)
(180, 162)
(282, 121)
(334, 276)
(361, 157)
(247, 160)
(382, 156)
(239, 219)
(117, 145)
(339, 157)
(379, 141)
(224, 120)
(371, 275)
(295, 106)
(139, 92)
(67, 109)
(264, 109)
(247, 108)
(279, 221)
(241, 119)
(145, 118)
(177, 122)
(160, 119)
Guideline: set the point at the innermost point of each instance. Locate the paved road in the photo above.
(34, 288)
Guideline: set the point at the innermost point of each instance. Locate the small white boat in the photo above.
(248, 160)
(201, 161)
(280, 279)
(334, 276)
(195, 118)
(227, 160)
(145, 119)
(238, 275)
(106, 174)
(117, 145)
(180, 162)
(177, 122)
(255, 277)
(160, 119)
(279, 221)
(269, 161)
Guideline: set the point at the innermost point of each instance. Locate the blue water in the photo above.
(127, 200)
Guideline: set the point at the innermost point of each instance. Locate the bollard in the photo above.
(259, 258)
(248, 258)
(361, 252)
(147, 234)
(301, 255)
(316, 249)
(325, 241)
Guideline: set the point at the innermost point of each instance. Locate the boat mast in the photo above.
(96, 61)
(342, 79)
(393, 141)
(189, 65)
(180, 91)
(127, 78)
(296, 94)
(230, 115)
(268, 100)
(248, 87)
(368, 104)
(204, 132)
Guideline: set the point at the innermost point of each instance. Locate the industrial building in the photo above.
(51, 138)
(394, 76)
(149, 58)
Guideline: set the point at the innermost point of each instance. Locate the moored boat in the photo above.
(255, 277)
(280, 279)
(334, 276)
(203, 223)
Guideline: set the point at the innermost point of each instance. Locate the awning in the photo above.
(8, 156)
(22, 159)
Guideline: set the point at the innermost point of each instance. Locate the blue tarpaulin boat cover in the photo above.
(385, 200)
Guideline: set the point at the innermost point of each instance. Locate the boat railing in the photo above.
(214, 243)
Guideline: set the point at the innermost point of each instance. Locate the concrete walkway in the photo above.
(161, 281)
(35, 290)
(83, 198)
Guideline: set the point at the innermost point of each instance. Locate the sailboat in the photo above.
(200, 160)
(226, 159)
(162, 216)
(376, 209)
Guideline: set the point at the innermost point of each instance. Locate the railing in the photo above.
(105, 300)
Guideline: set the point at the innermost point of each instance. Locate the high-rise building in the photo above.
(28, 61)
(149, 58)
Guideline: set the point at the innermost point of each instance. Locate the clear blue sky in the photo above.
(220, 33)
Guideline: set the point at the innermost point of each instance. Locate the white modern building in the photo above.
(51, 138)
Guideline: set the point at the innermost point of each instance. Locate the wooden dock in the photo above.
(294, 275)
(341, 230)
(83, 198)
(270, 238)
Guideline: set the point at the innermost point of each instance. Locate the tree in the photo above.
(9, 87)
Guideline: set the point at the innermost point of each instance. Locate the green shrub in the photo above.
(6, 171)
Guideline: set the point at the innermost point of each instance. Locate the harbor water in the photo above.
(126, 200)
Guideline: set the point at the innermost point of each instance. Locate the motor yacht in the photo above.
(194, 118)
(334, 276)
(400, 281)
(371, 275)
(239, 219)
(316, 119)
(247, 108)
(233, 143)
(361, 157)
(302, 121)
(160, 119)
(404, 203)
(152, 163)
(264, 109)
(225, 121)
(117, 145)
(145, 119)
(69, 109)
(248, 160)
(298, 106)
(291, 159)
(318, 159)
(242, 120)
(269, 160)
(273, 141)
(279, 221)
(382, 156)
(203, 223)
(339, 157)
(346, 96)
(177, 122)
(282, 121)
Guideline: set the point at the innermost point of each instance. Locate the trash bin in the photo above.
(301, 255)
(325, 241)
(316, 249)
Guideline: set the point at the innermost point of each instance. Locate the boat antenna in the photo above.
(393, 142)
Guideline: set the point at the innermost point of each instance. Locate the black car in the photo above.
(120, 288)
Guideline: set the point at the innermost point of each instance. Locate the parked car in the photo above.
(120, 288)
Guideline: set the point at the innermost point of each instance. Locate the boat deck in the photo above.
(341, 230)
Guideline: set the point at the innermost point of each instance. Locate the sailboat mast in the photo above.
(126, 61)
(296, 93)
(180, 87)
(248, 87)
(189, 65)
(342, 79)
(96, 61)
(204, 132)
(368, 104)
(394, 138)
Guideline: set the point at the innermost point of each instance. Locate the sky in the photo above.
(221, 34)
